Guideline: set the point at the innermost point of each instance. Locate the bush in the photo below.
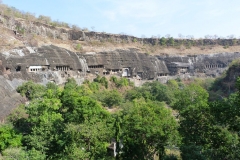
(113, 79)
(133, 94)
(163, 41)
(102, 80)
(112, 98)
(9, 137)
(122, 82)
(31, 90)
(94, 86)
(78, 47)
(70, 84)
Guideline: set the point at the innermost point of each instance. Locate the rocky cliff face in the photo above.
(21, 26)
(9, 98)
(226, 84)
(53, 64)
(210, 65)
(48, 63)
(127, 63)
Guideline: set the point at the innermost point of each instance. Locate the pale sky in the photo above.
(142, 17)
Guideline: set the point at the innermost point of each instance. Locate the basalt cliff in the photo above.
(45, 63)
(53, 64)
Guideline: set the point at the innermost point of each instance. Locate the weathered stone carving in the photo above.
(209, 65)
(126, 63)
(48, 63)
(51, 63)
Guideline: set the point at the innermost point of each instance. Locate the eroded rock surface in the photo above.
(45, 30)
(48, 63)
(54, 64)
(51, 63)
(126, 63)
(9, 98)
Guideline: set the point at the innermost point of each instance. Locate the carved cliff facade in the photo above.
(51, 63)
(54, 64)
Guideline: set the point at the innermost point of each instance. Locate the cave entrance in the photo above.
(62, 68)
(18, 68)
(8, 70)
(125, 72)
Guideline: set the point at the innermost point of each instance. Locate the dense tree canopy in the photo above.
(147, 127)
(80, 122)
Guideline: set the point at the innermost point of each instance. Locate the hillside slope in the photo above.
(24, 29)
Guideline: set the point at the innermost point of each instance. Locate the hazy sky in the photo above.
(142, 17)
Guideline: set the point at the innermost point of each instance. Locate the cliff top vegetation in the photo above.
(12, 18)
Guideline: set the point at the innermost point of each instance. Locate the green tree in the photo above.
(192, 94)
(56, 91)
(205, 137)
(172, 84)
(147, 128)
(77, 109)
(171, 41)
(94, 86)
(46, 125)
(159, 92)
(209, 131)
(133, 94)
(70, 84)
(195, 129)
(18, 118)
(227, 111)
(88, 126)
(104, 82)
(163, 41)
(22, 154)
(31, 90)
(122, 82)
(9, 137)
(112, 98)
(90, 137)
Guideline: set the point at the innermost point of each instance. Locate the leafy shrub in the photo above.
(94, 86)
(102, 80)
(112, 98)
(31, 90)
(78, 47)
(113, 79)
(70, 84)
(133, 94)
(122, 82)
(9, 137)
